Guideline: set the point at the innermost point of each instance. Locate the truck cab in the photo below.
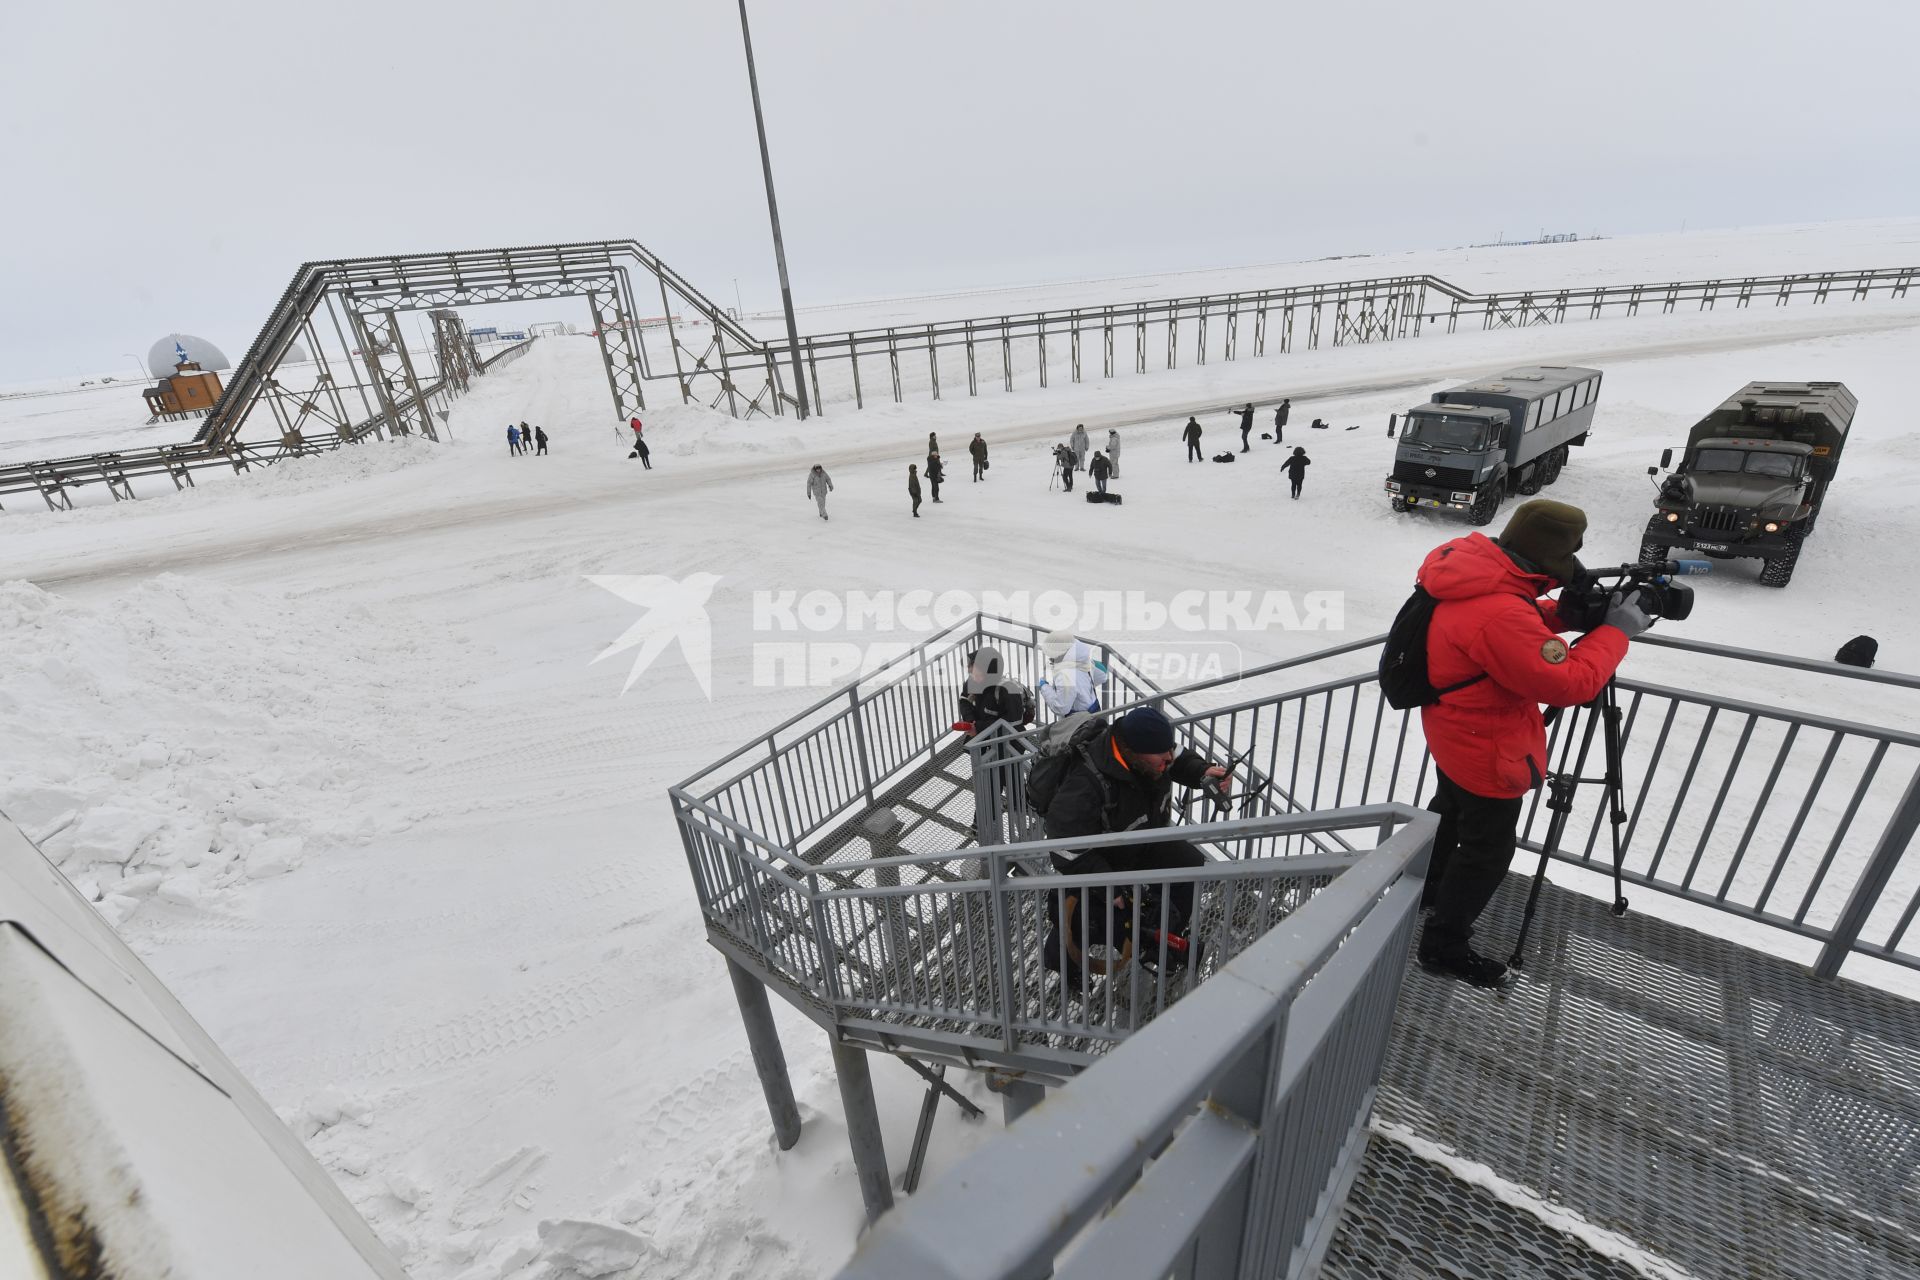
(1446, 455)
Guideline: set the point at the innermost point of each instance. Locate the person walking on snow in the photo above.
(1113, 453)
(526, 438)
(913, 487)
(1100, 469)
(1296, 468)
(1246, 426)
(1079, 443)
(1280, 420)
(540, 439)
(819, 485)
(513, 441)
(978, 448)
(1192, 436)
(935, 474)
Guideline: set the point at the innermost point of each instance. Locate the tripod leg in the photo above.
(1560, 787)
(1616, 792)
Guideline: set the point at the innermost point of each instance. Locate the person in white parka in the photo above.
(1074, 679)
(1113, 455)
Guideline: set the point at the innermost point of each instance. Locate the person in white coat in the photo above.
(1074, 679)
(1113, 455)
(1079, 443)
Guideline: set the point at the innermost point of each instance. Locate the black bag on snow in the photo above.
(1403, 662)
(1224, 457)
(1063, 742)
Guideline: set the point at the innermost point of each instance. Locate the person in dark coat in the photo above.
(978, 448)
(641, 452)
(1123, 781)
(1280, 420)
(540, 439)
(1858, 652)
(913, 487)
(1192, 436)
(935, 474)
(1246, 426)
(1099, 470)
(1063, 462)
(526, 439)
(1296, 468)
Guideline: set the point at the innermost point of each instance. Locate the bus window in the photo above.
(1533, 416)
(1552, 410)
(1580, 396)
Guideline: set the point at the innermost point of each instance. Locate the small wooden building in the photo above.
(190, 391)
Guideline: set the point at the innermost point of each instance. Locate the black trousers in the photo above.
(1243, 439)
(1166, 855)
(1471, 853)
(1296, 487)
(1193, 451)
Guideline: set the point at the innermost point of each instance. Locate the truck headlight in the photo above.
(1773, 526)
(1460, 497)
(1673, 517)
(1393, 486)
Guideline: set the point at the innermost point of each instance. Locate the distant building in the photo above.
(189, 392)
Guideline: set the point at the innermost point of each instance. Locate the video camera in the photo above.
(1584, 603)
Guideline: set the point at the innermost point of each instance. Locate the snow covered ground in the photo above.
(328, 743)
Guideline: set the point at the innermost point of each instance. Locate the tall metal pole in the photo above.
(773, 213)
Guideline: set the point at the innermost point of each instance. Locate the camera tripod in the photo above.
(1603, 713)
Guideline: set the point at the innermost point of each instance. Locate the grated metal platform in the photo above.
(1714, 1105)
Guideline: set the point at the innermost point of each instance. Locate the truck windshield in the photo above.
(1784, 465)
(1446, 433)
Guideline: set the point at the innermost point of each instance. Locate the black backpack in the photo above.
(1062, 744)
(1403, 662)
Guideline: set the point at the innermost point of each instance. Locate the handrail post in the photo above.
(860, 742)
(1892, 847)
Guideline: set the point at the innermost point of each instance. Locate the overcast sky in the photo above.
(168, 167)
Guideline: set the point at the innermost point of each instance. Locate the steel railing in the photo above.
(1220, 1140)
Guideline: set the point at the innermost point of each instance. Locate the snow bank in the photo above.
(182, 737)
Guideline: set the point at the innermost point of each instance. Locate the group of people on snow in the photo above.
(523, 439)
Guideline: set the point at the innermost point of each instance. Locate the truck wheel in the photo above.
(1485, 503)
(1531, 479)
(1553, 462)
(1778, 570)
(1652, 552)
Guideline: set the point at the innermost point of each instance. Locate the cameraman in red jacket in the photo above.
(1493, 646)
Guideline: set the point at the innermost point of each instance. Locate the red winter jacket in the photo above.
(1489, 737)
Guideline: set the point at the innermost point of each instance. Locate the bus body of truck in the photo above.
(1472, 445)
(1754, 477)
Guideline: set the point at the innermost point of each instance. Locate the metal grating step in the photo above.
(1711, 1103)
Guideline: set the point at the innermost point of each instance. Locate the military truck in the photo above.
(1754, 477)
(1472, 445)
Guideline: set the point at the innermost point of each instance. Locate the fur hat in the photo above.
(1546, 533)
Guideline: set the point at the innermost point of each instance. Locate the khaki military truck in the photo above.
(1754, 477)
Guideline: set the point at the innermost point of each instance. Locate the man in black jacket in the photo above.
(1123, 781)
(1280, 420)
(1246, 425)
(1191, 434)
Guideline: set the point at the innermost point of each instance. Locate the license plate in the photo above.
(1432, 502)
(1709, 546)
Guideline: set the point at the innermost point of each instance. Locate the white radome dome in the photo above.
(162, 356)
